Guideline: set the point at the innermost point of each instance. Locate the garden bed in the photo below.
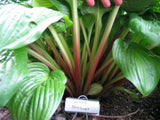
(117, 104)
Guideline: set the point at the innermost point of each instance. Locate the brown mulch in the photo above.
(117, 104)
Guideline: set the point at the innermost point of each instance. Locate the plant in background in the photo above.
(97, 48)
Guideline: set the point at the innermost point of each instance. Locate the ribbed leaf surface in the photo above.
(39, 95)
(138, 64)
(145, 32)
(21, 26)
(13, 67)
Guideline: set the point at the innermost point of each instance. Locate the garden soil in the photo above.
(116, 106)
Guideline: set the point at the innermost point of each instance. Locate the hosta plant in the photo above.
(97, 49)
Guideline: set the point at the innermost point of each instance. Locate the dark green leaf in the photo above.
(156, 7)
(97, 10)
(136, 5)
(39, 95)
(62, 6)
(88, 21)
(139, 65)
(13, 67)
(21, 26)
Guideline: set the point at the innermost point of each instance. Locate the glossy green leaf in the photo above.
(62, 6)
(42, 3)
(139, 65)
(156, 7)
(21, 26)
(39, 95)
(97, 10)
(59, 27)
(145, 32)
(13, 67)
(136, 5)
(89, 22)
(94, 89)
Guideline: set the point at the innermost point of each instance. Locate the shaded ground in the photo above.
(116, 104)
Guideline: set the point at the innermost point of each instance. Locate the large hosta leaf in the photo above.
(62, 6)
(146, 32)
(40, 94)
(13, 67)
(21, 26)
(138, 64)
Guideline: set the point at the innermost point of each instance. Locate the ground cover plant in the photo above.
(50, 46)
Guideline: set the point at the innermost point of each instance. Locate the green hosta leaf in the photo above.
(89, 22)
(42, 3)
(13, 67)
(39, 95)
(146, 32)
(59, 27)
(62, 6)
(97, 10)
(139, 65)
(156, 7)
(94, 89)
(21, 26)
(136, 5)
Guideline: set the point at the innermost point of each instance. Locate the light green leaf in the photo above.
(21, 26)
(13, 67)
(145, 32)
(42, 3)
(39, 95)
(94, 89)
(139, 65)
(156, 7)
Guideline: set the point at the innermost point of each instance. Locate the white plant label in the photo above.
(82, 106)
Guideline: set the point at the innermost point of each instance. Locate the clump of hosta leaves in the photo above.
(136, 5)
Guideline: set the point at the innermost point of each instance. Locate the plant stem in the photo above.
(43, 53)
(106, 73)
(101, 48)
(64, 53)
(41, 58)
(100, 71)
(124, 33)
(63, 41)
(85, 37)
(120, 76)
(98, 27)
(76, 38)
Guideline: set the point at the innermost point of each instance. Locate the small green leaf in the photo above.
(39, 95)
(21, 26)
(94, 89)
(133, 95)
(13, 67)
(139, 65)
